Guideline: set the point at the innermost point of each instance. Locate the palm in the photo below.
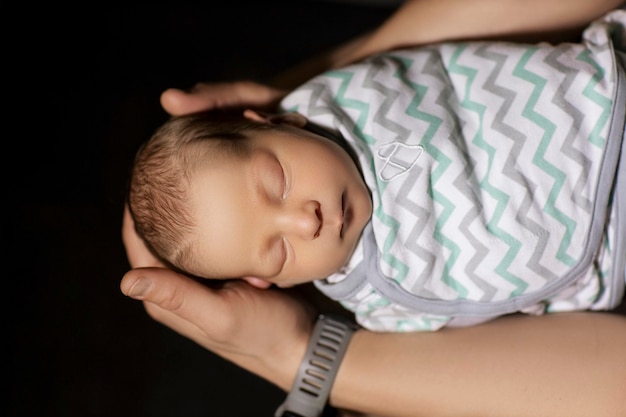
(234, 320)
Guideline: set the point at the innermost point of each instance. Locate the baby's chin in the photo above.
(293, 281)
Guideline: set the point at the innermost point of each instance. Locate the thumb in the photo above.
(174, 292)
(137, 283)
(158, 285)
(176, 301)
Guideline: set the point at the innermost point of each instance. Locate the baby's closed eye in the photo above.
(274, 180)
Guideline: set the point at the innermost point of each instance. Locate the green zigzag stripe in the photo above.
(539, 160)
(394, 225)
(293, 108)
(589, 92)
(424, 323)
(501, 197)
(443, 163)
(362, 107)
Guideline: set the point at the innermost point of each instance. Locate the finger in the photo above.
(208, 96)
(178, 295)
(202, 97)
(253, 94)
(139, 286)
(178, 102)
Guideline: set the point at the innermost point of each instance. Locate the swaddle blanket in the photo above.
(493, 169)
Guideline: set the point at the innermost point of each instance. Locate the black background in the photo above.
(81, 93)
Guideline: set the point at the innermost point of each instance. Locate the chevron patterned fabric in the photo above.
(493, 171)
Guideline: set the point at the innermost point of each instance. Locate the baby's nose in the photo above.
(304, 220)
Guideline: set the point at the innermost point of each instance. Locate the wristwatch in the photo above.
(327, 346)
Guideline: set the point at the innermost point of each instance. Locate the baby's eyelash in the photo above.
(283, 181)
(285, 250)
(284, 185)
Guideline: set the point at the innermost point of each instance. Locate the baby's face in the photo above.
(289, 213)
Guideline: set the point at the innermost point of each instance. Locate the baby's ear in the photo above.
(257, 282)
(294, 119)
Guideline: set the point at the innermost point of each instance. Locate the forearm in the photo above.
(425, 21)
(558, 365)
(420, 22)
(553, 365)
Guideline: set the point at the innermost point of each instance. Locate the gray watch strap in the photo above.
(310, 391)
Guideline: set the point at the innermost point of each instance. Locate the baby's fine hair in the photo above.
(159, 188)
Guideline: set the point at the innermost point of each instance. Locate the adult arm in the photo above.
(569, 364)
(420, 22)
(557, 365)
(415, 22)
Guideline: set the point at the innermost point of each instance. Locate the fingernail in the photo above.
(140, 288)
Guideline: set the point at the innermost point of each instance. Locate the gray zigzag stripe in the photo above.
(518, 138)
(316, 109)
(577, 116)
(403, 133)
(461, 183)
(422, 215)
(480, 250)
(390, 97)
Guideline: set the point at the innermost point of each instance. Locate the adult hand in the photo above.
(209, 96)
(263, 331)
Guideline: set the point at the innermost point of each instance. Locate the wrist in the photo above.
(290, 356)
(350, 52)
(279, 364)
(318, 367)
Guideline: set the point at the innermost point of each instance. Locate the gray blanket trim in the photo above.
(369, 270)
(618, 280)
